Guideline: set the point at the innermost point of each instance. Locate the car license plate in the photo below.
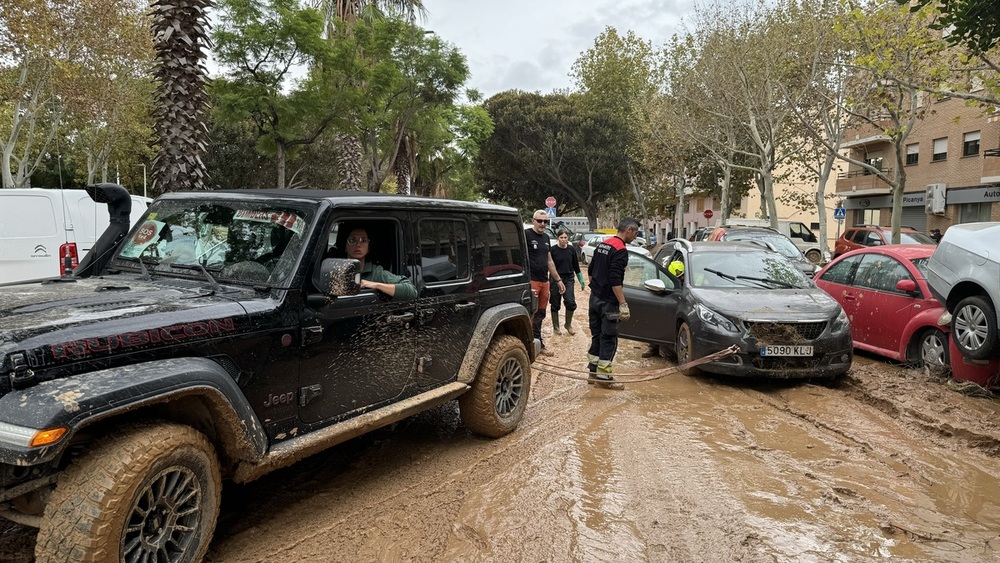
(779, 350)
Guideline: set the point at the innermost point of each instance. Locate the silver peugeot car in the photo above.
(964, 274)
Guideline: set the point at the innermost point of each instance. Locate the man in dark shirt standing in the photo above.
(607, 301)
(541, 267)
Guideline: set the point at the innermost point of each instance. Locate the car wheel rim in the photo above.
(932, 351)
(510, 384)
(970, 327)
(683, 347)
(165, 518)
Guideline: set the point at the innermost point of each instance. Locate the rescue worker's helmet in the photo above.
(676, 268)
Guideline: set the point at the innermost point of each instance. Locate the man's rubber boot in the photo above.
(606, 380)
(569, 323)
(592, 368)
(555, 323)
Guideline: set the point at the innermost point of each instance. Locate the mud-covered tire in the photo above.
(495, 404)
(974, 328)
(131, 492)
(814, 256)
(930, 349)
(684, 349)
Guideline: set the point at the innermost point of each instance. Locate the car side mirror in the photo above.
(906, 286)
(655, 285)
(339, 277)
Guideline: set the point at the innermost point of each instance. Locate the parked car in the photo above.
(588, 249)
(45, 233)
(579, 240)
(885, 293)
(796, 231)
(127, 396)
(871, 235)
(964, 273)
(700, 234)
(769, 237)
(737, 293)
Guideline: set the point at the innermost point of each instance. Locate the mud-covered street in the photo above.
(889, 463)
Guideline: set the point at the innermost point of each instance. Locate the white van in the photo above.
(40, 228)
(797, 231)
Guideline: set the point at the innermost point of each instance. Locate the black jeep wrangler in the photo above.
(227, 335)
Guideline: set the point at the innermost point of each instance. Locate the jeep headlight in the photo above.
(711, 317)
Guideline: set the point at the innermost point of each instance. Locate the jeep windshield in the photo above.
(252, 242)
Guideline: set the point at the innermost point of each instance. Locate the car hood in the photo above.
(778, 305)
(87, 317)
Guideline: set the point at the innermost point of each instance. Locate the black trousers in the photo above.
(555, 299)
(603, 329)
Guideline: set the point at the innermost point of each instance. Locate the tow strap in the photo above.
(649, 375)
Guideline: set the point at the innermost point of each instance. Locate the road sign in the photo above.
(551, 212)
(839, 213)
(550, 201)
(708, 213)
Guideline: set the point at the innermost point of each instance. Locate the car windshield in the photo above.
(921, 264)
(242, 242)
(780, 243)
(911, 238)
(744, 269)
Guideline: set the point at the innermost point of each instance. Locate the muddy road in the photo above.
(889, 463)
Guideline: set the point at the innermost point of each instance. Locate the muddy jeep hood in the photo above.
(781, 305)
(74, 320)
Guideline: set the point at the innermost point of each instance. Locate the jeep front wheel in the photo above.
(145, 493)
(495, 404)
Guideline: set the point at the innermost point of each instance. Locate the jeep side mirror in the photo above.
(339, 277)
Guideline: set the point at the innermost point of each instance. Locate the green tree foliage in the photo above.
(974, 24)
(261, 45)
(554, 144)
(57, 58)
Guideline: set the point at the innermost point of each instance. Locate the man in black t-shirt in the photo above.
(541, 267)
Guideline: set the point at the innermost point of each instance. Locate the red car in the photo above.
(892, 312)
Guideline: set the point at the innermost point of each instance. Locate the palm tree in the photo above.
(180, 32)
(351, 153)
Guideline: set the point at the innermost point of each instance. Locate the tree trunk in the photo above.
(349, 162)
(281, 166)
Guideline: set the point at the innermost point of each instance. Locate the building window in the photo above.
(970, 144)
(869, 216)
(974, 212)
(940, 149)
(874, 162)
(912, 154)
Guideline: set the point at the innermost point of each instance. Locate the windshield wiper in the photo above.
(215, 285)
(767, 280)
(722, 275)
(142, 265)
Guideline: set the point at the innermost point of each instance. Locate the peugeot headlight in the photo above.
(841, 322)
(711, 317)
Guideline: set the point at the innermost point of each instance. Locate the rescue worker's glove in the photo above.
(579, 276)
(623, 312)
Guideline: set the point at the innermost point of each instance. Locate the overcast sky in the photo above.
(531, 45)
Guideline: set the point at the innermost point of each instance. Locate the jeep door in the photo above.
(448, 303)
(358, 351)
(653, 313)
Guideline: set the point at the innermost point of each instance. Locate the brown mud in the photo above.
(888, 463)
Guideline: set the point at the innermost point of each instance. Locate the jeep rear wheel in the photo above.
(974, 328)
(495, 404)
(145, 493)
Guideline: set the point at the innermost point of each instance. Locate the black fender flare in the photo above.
(488, 325)
(80, 400)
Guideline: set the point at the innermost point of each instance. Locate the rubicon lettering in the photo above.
(105, 344)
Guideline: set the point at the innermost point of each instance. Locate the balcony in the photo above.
(991, 167)
(862, 180)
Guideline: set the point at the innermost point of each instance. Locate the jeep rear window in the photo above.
(241, 242)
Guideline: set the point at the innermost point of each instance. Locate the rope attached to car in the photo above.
(651, 375)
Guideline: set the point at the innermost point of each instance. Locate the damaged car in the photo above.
(736, 293)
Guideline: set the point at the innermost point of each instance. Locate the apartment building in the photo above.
(952, 170)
